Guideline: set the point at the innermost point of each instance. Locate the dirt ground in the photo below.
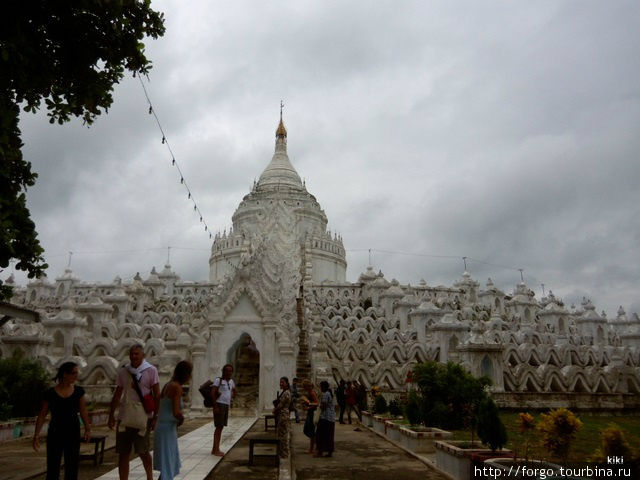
(359, 455)
(235, 464)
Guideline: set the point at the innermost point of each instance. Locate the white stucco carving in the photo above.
(278, 277)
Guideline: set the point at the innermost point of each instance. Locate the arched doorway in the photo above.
(245, 358)
(453, 349)
(487, 367)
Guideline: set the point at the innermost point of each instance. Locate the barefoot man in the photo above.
(222, 392)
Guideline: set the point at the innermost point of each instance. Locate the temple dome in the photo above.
(280, 171)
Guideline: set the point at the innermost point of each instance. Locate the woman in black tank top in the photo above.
(65, 401)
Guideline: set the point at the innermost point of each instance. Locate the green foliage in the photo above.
(614, 442)
(69, 54)
(491, 430)
(526, 426)
(395, 408)
(450, 394)
(413, 408)
(438, 416)
(18, 238)
(558, 429)
(586, 442)
(380, 405)
(22, 382)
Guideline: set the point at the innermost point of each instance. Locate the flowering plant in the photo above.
(375, 391)
(409, 377)
(526, 425)
(526, 422)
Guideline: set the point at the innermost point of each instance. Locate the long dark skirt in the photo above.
(309, 428)
(325, 432)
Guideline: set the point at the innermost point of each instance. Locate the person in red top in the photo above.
(351, 394)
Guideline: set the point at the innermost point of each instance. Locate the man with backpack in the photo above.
(223, 391)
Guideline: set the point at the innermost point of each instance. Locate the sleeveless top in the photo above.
(64, 411)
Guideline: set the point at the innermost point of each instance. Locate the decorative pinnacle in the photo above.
(281, 131)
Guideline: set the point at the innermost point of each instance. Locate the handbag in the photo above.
(133, 416)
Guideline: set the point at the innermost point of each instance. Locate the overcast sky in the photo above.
(507, 132)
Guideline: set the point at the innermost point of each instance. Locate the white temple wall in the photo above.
(327, 268)
(219, 267)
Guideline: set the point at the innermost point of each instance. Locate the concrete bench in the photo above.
(98, 453)
(267, 426)
(263, 440)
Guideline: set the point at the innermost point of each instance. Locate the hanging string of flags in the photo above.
(174, 162)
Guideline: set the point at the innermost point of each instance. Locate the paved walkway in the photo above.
(195, 451)
(18, 461)
(359, 455)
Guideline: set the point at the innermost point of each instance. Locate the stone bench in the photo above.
(267, 426)
(98, 453)
(263, 440)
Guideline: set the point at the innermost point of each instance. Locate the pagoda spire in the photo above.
(281, 132)
(280, 172)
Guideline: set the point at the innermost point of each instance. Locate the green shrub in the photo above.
(380, 405)
(438, 416)
(558, 429)
(412, 409)
(22, 382)
(450, 394)
(395, 408)
(491, 430)
(613, 442)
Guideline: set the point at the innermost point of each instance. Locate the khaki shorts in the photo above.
(222, 416)
(128, 437)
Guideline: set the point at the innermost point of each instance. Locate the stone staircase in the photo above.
(247, 375)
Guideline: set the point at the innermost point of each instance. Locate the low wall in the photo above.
(573, 401)
(20, 428)
(455, 461)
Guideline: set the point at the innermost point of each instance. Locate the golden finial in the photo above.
(281, 131)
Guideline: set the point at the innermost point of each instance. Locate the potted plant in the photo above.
(380, 408)
(450, 399)
(558, 429)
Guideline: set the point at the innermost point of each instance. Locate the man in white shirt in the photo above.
(146, 377)
(222, 392)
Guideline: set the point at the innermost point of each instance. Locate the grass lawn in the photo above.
(586, 442)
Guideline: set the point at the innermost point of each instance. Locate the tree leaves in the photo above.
(69, 54)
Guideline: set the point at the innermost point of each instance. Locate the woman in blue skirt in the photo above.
(166, 457)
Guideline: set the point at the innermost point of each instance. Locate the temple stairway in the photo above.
(246, 378)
